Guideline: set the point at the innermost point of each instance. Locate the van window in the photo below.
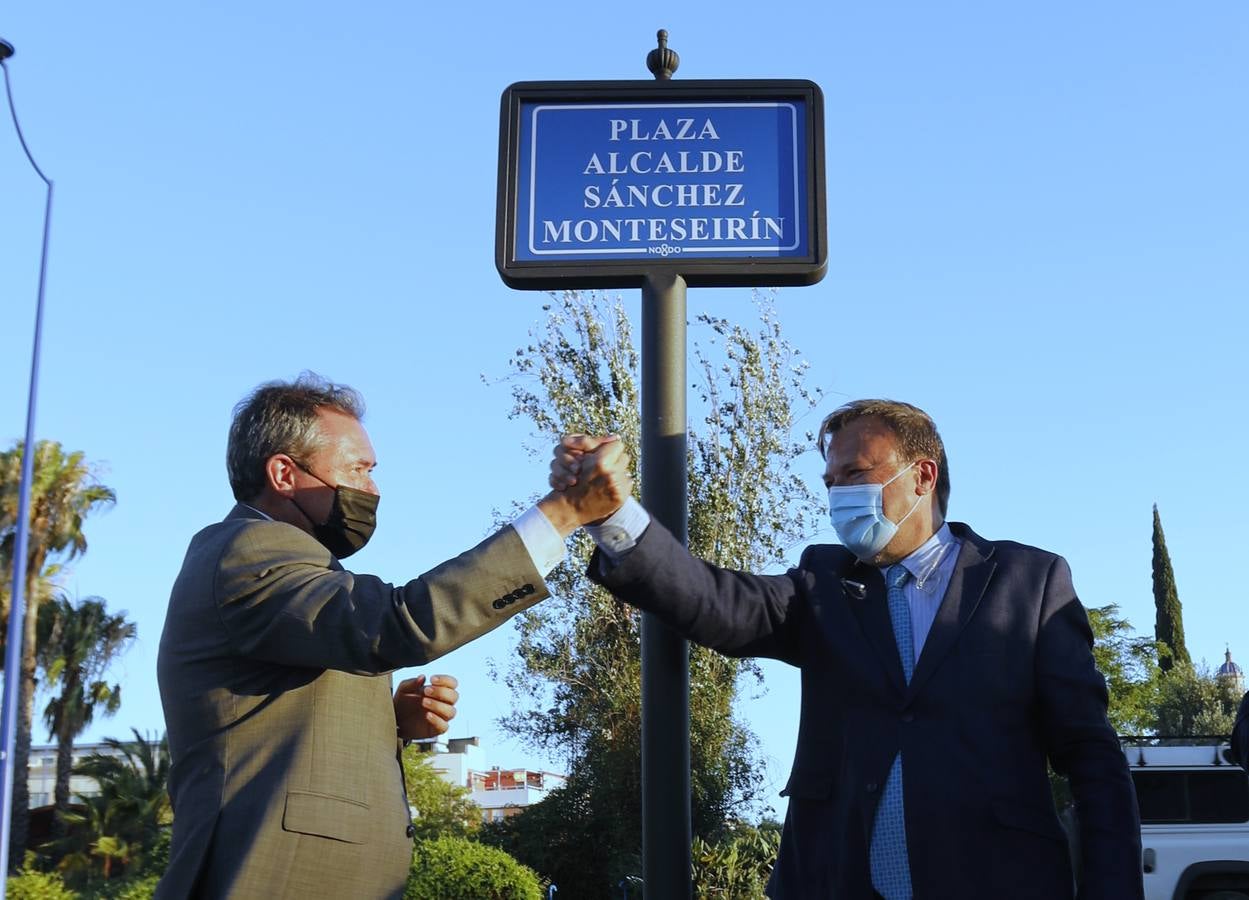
(1195, 797)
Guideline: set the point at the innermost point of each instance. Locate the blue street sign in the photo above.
(632, 180)
(603, 182)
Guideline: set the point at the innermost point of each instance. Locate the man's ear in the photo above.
(280, 473)
(928, 470)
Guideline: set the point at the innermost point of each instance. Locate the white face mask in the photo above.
(858, 515)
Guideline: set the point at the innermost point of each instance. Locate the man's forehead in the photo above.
(865, 438)
(344, 433)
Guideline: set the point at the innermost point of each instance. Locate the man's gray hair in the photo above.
(281, 417)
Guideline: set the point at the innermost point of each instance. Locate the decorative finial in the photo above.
(6, 50)
(662, 62)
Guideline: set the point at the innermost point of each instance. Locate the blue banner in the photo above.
(626, 181)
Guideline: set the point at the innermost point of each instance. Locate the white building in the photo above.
(499, 792)
(42, 778)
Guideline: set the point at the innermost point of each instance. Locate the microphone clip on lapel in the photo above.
(855, 589)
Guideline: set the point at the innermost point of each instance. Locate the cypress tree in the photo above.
(1169, 616)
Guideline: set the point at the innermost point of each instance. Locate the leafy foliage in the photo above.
(1129, 664)
(1193, 701)
(577, 670)
(451, 868)
(739, 866)
(76, 643)
(63, 491)
(31, 884)
(442, 809)
(569, 840)
(124, 826)
(140, 887)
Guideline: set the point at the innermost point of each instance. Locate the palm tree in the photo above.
(63, 492)
(76, 644)
(123, 822)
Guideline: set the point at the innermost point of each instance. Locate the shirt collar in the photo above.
(927, 558)
(261, 511)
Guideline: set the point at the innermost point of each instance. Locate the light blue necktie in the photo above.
(891, 868)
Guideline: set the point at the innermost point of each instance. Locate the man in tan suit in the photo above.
(274, 661)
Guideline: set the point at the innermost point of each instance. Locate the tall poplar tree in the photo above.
(1168, 614)
(575, 679)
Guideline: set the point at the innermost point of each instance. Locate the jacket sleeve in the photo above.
(735, 613)
(1082, 745)
(1240, 734)
(283, 598)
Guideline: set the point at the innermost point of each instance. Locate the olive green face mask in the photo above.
(351, 522)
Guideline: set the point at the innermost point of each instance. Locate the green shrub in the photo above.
(156, 860)
(737, 867)
(139, 887)
(28, 884)
(449, 868)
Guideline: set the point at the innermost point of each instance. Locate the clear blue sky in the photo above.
(1039, 231)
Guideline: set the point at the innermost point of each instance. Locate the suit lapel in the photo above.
(971, 576)
(871, 608)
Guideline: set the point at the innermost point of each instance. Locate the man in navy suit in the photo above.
(940, 673)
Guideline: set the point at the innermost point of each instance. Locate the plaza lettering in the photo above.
(634, 130)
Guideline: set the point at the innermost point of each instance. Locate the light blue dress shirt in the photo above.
(931, 566)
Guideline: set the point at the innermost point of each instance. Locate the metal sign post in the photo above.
(666, 829)
(656, 184)
(18, 601)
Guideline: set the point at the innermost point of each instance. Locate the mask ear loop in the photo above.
(303, 512)
(915, 506)
(898, 474)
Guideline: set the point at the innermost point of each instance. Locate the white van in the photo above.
(1194, 804)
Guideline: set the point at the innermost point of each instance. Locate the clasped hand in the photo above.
(590, 480)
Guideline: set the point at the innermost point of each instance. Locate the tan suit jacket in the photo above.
(273, 677)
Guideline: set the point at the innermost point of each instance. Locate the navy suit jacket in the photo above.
(1005, 682)
(1240, 734)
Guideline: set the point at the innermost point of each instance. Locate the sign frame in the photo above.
(716, 271)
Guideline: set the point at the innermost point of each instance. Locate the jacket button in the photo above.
(411, 831)
(871, 787)
(499, 604)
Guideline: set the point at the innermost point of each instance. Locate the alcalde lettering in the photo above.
(683, 162)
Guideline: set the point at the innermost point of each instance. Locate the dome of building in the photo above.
(1230, 669)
